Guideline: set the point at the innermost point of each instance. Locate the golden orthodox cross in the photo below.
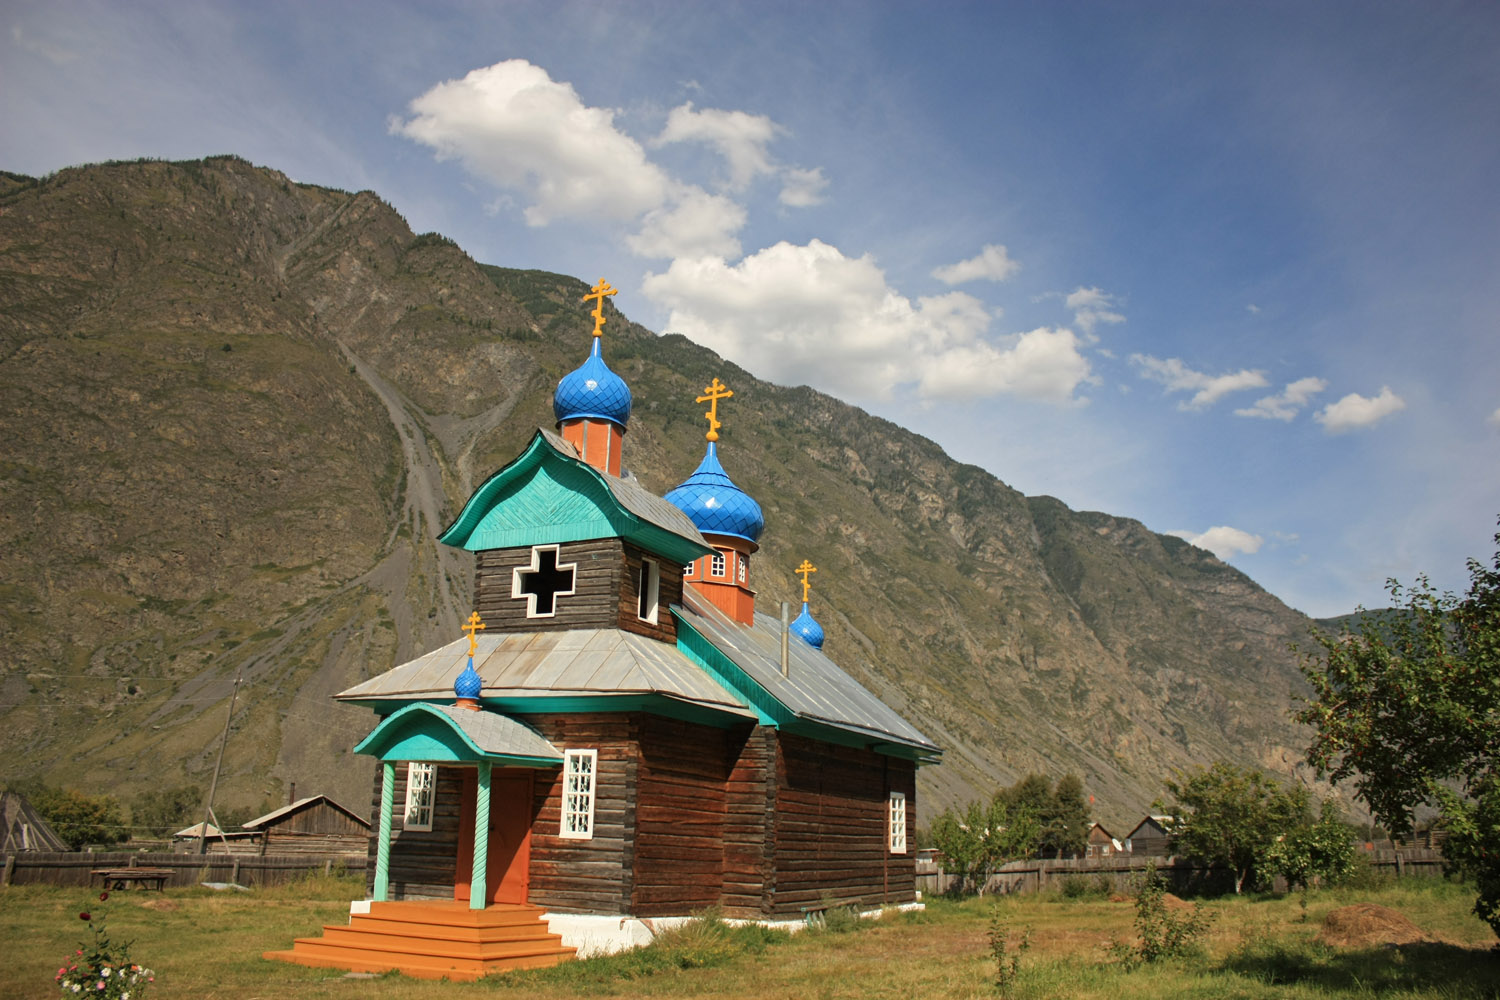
(599, 291)
(804, 571)
(712, 394)
(473, 626)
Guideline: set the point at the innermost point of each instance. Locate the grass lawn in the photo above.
(204, 944)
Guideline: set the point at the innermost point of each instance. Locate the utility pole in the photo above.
(208, 810)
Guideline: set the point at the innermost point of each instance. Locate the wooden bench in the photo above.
(139, 878)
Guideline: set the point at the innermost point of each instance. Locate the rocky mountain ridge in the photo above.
(239, 409)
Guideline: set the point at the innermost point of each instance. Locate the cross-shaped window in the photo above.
(543, 582)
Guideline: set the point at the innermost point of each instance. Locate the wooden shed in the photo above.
(622, 736)
(314, 825)
(22, 827)
(1151, 837)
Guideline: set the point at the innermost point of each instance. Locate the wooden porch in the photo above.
(433, 939)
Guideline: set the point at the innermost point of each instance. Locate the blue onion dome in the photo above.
(714, 504)
(808, 628)
(592, 390)
(468, 683)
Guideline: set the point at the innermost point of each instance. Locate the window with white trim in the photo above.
(578, 794)
(421, 785)
(543, 582)
(744, 567)
(648, 591)
(896, 811)
(716, 568)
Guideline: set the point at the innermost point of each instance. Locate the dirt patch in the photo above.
(1365, 925)
(160, 905)
(1172, 902)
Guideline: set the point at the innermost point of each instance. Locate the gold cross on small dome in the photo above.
(804, 571)
(599, 291)
(716, 391)
(472, 626)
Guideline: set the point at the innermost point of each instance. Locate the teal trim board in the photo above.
(728, 674)
(420, 731)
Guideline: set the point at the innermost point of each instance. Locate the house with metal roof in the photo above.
(621, 736)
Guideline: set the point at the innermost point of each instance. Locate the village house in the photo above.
(1151, 837)
(622, 735)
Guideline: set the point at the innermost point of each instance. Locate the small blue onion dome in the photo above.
(714, 504)
(592, 390)
(468, 684)
(808, 628)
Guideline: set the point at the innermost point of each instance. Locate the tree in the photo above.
(159, 811)
(80, 819)
(979, 838)
(1229, 816)
(1065, 821)
(1407, 708)
(1318, 852)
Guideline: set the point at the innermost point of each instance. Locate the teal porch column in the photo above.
(383, 846)
(479, 884)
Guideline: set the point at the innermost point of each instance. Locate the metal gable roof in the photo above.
(551, 664)
(817, 689)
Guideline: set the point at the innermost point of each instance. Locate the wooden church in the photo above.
(621, 736)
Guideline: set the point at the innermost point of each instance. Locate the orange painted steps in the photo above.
(433, 940)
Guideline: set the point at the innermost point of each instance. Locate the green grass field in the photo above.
(204, 944)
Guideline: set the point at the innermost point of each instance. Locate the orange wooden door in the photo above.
(508, 867)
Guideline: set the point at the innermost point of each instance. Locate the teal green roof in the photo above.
(446, 734)
(548, 496)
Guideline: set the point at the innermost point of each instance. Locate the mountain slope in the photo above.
(239, 409)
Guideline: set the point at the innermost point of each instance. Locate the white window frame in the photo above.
(649, 597)
(896, 823)
(716, 566)
(536, 564)
(421, 793)
(744, 568)
(580, 776)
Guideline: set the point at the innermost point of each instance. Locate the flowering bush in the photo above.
(103, 968)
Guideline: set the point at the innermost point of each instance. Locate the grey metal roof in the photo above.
(818, 689)
(500, 735)
(293, 807)
(634, 497)
(562, 663)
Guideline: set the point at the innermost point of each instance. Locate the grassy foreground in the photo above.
(204, 944)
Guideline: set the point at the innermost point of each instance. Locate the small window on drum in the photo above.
(716, 567)
(648, 591)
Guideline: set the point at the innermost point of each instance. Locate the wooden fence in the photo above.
(76, 868)
(1124, 872)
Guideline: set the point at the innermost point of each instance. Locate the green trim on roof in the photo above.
(728, 674)
(546, 498)
(655, 704)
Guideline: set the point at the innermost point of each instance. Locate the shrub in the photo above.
(1164, 934)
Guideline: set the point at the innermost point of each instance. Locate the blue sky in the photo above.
(1232, 269)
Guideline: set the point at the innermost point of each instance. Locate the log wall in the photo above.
(749, 880)
(422, 862)
(594, 603)
(831, 810)
(595, 875)
(680, 800)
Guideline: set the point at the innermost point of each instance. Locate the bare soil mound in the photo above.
(1365, 925)
(1175, 902)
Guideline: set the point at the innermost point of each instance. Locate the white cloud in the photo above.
(513, 126)
(55, 54)
(801, 188)
(992, 264)
(1222, 541)
(695, 224)
(1494, 418)
(1207, 389)
(741, 138)
(1288, 403)
(1355, 411)
(1252, 309)
(808, 314)
(1092, 306)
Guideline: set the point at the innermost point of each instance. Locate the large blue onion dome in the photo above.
(469, 683)
(715, 505)
(592, 390)
(808, 628)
